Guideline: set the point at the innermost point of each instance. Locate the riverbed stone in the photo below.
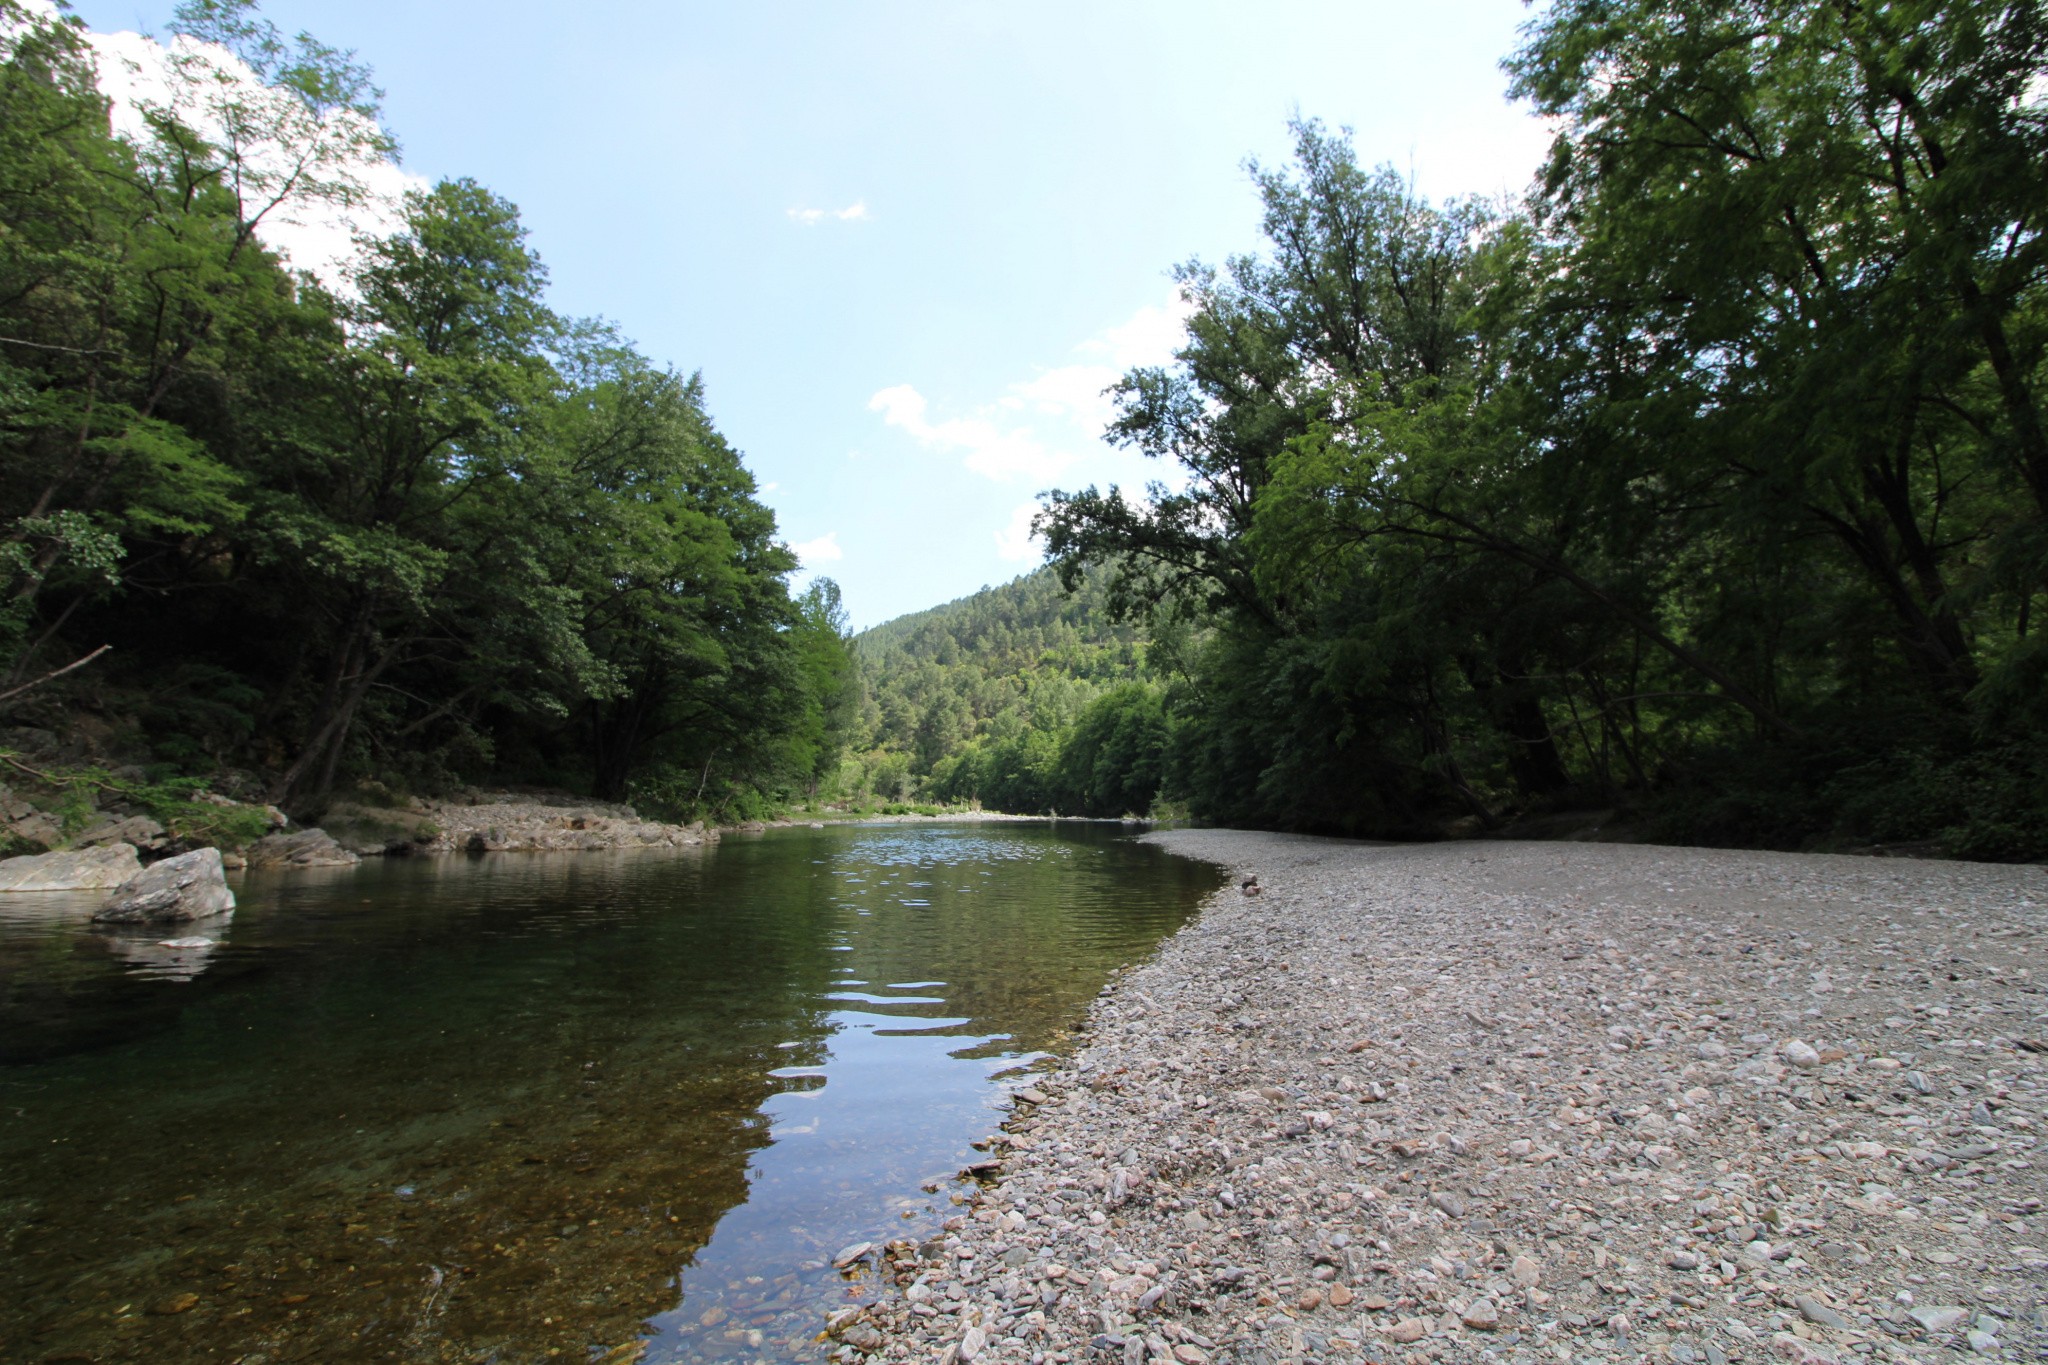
(84, 869)
(1942, 1318)
(188, 887)
(1801, 1054)
(1576, 1126)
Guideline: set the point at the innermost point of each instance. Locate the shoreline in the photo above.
(1524, 1102)
(489, 823)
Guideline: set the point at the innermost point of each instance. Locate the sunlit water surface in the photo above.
(523, 1107)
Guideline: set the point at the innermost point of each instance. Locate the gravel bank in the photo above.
(1526, 1102)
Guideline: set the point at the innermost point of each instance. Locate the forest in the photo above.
(1707, 483)
(411, 528)
(1711, 483)
(1029, 698)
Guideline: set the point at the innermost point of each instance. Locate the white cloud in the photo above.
(136, 73)
(1004, 454)
(1015, 542)
(1150, 337)
(1079, 393)
(856, 212)
(1042, 427)
(824, 550)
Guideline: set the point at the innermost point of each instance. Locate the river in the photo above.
(531, 1107)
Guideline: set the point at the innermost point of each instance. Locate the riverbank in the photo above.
(509, 822)
(1527, 1102)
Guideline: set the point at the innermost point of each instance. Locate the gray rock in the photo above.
(138, 830)
(37, 828)
(1819, 1314)
(1450, 1201)
(302, 848)
(1982, 1342)
(12, 806)
(1801, 1055)
(1940, 1319)
(187, 887)
(373, 830)
(86, 869)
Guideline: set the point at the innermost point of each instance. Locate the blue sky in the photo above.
(906, 243)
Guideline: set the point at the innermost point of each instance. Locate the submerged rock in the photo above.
(166, 959)
(189, 886)
(84, 869)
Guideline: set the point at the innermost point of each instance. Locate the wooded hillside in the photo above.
(1024, 697)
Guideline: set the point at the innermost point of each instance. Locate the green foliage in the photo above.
(423, 530)
(1023, 698)
(74, 795)
(1713, 482)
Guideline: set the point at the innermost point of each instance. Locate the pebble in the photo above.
(1506, 1103)
(1819, 1314)
(1940, 1319)
(1408, 1330)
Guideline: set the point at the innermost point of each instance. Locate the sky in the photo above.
(908, 244)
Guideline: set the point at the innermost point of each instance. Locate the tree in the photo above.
(386, 521)
(1809, 233)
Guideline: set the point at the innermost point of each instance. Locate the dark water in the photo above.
(532, 1107)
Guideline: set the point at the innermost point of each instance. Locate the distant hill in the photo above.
(959, 696)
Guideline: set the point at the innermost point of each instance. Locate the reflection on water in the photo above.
(529, 1107)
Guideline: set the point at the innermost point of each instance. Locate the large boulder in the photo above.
(189, 886)
(302, 848)
(83, 869)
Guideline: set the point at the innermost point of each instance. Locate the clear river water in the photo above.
(534, 1107)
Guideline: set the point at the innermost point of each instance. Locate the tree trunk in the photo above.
(614, 744)
(1538, 768)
